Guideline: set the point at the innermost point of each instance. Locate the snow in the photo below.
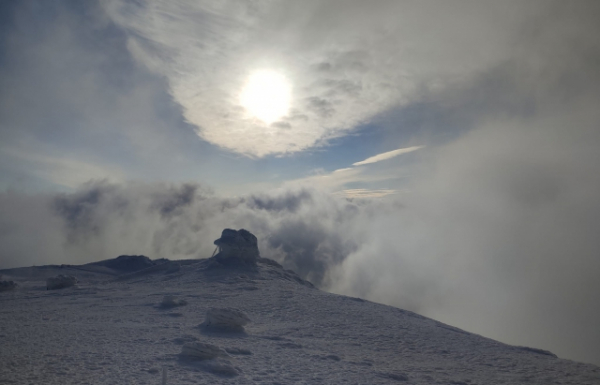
(109, 329)
(225, 319)
(202, 351)
(170, 301)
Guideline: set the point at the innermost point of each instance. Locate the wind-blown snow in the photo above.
(113, 331)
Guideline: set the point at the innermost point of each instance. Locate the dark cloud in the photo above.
(176, 199)
(321, 107)
(78, 210)
(102, 220)
(288, 201)
(310, 248)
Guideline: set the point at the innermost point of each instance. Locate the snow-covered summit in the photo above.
(113, 329)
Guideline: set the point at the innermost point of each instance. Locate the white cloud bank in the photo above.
(346, 61)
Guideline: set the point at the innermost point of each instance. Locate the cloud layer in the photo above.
(346, 61)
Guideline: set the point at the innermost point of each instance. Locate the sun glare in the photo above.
(266, 96)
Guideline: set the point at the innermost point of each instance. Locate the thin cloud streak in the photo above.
(387, 155)
(362, 193)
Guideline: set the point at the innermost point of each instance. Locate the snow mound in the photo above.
(7, 285)
(170, 301)
(202, 351)
(60, 282)
(128, 263)
(220, 368)
(238, 351)
(237, 247)
(226, 319)
(211, 358)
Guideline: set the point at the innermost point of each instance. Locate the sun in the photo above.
(267, 96)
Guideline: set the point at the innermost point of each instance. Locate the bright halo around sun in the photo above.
(267, 96)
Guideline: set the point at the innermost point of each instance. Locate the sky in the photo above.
(439, 156)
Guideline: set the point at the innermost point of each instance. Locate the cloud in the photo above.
(60, 171)
(387, 155)
(338, 180)
(496, 230)
(362, 193)
(102, 220)
(75, 106)
(346, 62)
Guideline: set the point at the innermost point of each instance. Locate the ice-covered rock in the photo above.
(170, 301)
(7, 285)
(237, 247)
(60, 282)
(202, 351)
(226, 319)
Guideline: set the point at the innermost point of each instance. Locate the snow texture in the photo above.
(202, 351)
(170, 301)
(212, 359)
(60, 282)
(108, 330)
(226, 319)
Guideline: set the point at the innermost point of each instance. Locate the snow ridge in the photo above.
(108, 329)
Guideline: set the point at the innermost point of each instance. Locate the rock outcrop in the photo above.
(7, 285)
(237, 247)
(60, 282)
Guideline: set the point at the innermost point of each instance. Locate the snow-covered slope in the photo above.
(112, 328)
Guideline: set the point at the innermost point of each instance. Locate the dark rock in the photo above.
(237, 247)
(7, 285)
(60, 282)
